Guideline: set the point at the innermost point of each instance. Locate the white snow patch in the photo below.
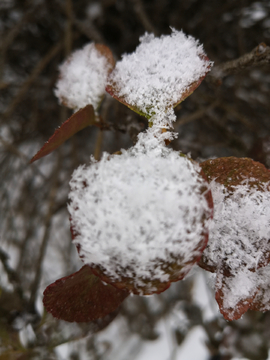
(240, 230)
(83, 78)
(135, 211)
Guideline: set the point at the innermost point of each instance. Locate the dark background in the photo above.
(224, 117)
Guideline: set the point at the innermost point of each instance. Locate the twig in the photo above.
(68, 36)
(44, 242)
(196, 115)
(12, 149)
(139, 9)
(235, 141)
(98, 145)
(260, 55)
(88, 29)
(32, 77)
(8, 38)
(238, 116)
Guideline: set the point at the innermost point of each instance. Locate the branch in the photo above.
(47, 224)
(260, 55)
(13, 150)
(143, 17)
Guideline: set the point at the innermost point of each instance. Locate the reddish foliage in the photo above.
(78, 121)
(232, 171)
(82, 297)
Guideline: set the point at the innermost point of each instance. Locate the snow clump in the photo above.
(83, 78)
(140, 216)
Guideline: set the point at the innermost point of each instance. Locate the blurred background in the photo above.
(226, 116)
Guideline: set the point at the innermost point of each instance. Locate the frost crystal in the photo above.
(139, 215)
(83, 78)
(158, 73)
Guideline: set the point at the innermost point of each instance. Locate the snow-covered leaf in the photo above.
(139, 220)
(83, 76)
(82, 297)
(239, 237)
(160, 74)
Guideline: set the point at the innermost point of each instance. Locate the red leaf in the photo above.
(82, 297)
(78, 121)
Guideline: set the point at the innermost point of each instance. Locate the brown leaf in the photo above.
(82, 297)
(105, 51)
(231, 171)
(78, 121)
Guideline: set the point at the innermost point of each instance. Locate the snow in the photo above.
(83, 78)
(239, 242)
(154, 77)
(135, 212)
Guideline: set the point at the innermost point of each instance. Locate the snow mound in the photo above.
(139, 215)
(153, 78)
(83, 78)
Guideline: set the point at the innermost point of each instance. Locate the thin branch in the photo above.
(8, 38)
(32, 77)
(196, 115)
(86, 28)
(68, 35)
(140, 11)
(242, 118)
(98, 145)
(45, 239)
(13, 150)
(260, 55)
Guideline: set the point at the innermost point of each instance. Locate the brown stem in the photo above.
(260, 55)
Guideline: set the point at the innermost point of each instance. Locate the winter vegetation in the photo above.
(146, 234)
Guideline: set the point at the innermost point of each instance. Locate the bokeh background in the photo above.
(223, 117)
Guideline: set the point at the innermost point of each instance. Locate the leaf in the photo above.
(83, 76)
(105, 51)
(78, 121)
(114, 92)
(238, 250)
(82, 297)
